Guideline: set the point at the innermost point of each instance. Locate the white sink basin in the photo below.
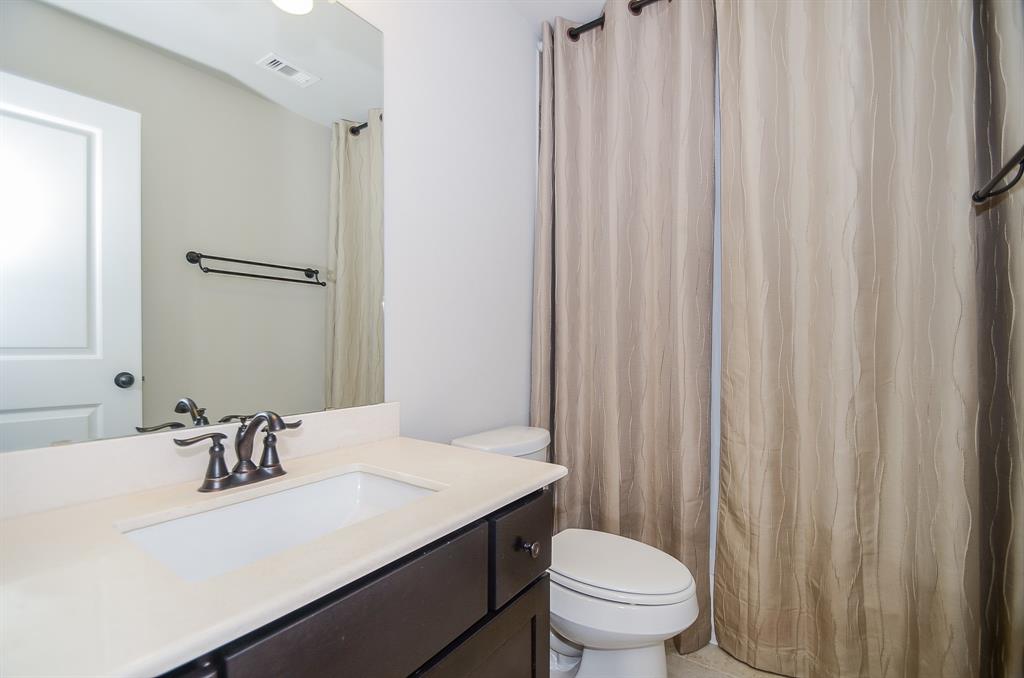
(207, 544)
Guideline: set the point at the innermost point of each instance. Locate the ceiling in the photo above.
(577, 11)
(330, 42)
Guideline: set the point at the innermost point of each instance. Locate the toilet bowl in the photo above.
(619, 600)
(614, 601)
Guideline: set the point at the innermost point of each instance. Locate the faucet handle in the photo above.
(240, 418)
(217, 474)
(185, 442)
(269, 461)
(150, 429)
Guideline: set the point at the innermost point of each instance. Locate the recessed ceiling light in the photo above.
(294, 6)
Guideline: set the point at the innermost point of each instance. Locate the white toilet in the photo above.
(517, 441)
(619, 600)
(614, 601)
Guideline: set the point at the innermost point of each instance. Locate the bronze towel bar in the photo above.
(312, 274)
(990, 190)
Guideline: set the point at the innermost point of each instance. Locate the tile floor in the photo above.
(710, 662)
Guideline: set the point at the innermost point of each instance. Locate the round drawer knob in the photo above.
(531, 547)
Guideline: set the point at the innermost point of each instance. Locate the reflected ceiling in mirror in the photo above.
(134, 133)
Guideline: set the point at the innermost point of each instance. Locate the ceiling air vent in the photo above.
(272, 62)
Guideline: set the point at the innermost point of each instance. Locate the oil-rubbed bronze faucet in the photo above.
(247, 433)
(245, 471)
(184, 406)
(198, 414)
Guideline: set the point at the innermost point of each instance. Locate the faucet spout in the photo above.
(198, 414)
(246, 434)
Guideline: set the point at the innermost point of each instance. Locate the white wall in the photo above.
(224, 171)
(460, 152)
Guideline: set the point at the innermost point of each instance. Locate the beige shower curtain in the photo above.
(622, 285)
(355, 268)
(871, 483)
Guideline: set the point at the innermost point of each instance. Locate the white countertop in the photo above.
(77, 597)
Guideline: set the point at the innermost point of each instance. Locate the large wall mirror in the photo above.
(190, 211)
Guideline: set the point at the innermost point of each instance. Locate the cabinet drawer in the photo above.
(387, 627)
(513, 566)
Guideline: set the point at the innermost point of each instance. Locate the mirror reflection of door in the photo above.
(70, 318)
(264, 153)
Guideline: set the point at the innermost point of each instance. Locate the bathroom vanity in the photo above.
(473, 603)
(393, 557)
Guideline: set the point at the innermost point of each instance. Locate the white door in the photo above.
(70, 271)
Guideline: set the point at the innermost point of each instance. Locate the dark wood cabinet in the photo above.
(520, 547)
(387, 627)
(474, 603)
(201, 668)
(512, 644)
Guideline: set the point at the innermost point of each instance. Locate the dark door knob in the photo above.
(124, 379)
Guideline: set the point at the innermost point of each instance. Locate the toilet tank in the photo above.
(517, 441)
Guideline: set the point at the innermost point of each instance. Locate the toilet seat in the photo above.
(622, 596)
(617, 569)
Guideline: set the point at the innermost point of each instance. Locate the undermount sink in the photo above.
(213, 542)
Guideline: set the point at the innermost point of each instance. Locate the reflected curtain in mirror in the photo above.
(871, 475)
(355, 266)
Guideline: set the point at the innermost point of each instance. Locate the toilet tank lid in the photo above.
(514, 440)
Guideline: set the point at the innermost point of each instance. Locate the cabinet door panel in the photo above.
(385, 628)
(514, 659)
(513, 644)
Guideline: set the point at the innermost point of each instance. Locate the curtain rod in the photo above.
(990, 190)
(356, 129)
(635, 6)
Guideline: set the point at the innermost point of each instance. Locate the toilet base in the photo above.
(637, 662)
(561, 666)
